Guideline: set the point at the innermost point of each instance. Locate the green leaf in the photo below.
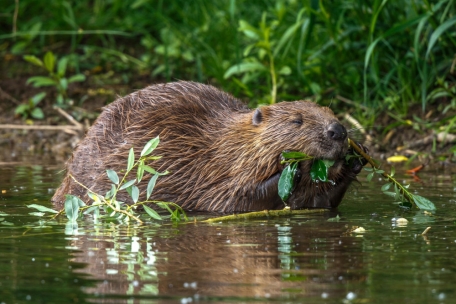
(77, 78)
(37, 113)
(244, 67)
(393, 171)
(91, 209)
(134, 194)
(287, 36)
(41, 81)
(60, 99)
(42, 208)
(149, 169)
(152, 213)
(140, 172)
(438, 32)
(37, 98)
(111, 192)
(334, 219)
(64, 83)
(386, 186)
(131, 159)
(71, 207)
(295, 155)
(392, 194)
(150, 146)
(285, 71)
(94, 197)
(319, 171)
(153, 171)
(22, 109)
(423, 203)
(286, 181)
(49, 61)
(249, 30)
(394, 30)
(33, 60)
(369, 176)
(112, 175)
(37, 213)
(151, 185)
(164, 205)
(328, 163)
(127, 184)
(61, 66)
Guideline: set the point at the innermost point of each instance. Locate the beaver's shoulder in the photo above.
(180, 97)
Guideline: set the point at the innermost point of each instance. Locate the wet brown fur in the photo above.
(221, 157)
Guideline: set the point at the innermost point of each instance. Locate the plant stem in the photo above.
(407, 195)
(273, 77)
(108, 203)
(264, 213)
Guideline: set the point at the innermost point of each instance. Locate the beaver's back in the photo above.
(187, 116)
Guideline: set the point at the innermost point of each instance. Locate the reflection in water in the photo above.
(292, 260)
(256, 260)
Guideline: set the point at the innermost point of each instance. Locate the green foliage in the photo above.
(318, 171)
(286, 181)
(380, 53)
(31, 109)
(400, 193)
(107, 206)
(56, 76)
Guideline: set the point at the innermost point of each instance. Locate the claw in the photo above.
(357, 163)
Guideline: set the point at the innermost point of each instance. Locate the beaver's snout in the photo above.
(336, 131)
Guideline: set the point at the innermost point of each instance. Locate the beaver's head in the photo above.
(301, 126)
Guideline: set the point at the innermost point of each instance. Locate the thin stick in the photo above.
(426, 231)
(8, 96)
(108, 203)
(70, 118)
(351, 102)
(47, 127)
(369, 159)
(16, 10)
(265, 213)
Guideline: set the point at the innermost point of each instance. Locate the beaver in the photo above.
(223, 157)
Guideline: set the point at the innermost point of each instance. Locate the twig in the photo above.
(369, 159)
(351, 102)
(358, 126)
(426, 231)
(70, 118)
(8, 96)
(265, 213)
(16, 10)
(108, 203)
(441, 137)
(46, 127)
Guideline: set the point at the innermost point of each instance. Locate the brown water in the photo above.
(283, 260)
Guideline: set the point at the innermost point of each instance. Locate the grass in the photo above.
(386, 55)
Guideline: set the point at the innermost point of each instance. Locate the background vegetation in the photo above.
(375, 55)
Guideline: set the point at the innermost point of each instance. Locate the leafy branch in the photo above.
(108, 205)
(318, 171)
(401, 193)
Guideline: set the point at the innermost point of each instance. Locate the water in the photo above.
(282, 260)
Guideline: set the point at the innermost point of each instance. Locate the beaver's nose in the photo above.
(336, 131)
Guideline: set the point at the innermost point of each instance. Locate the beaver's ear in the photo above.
(257, 117)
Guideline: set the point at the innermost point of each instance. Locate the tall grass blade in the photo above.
(438, 32)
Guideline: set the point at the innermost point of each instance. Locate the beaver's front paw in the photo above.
(355, 161)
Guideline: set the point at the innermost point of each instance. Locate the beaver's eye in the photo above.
(297, 121)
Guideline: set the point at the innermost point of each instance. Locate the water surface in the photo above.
(284, 260)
